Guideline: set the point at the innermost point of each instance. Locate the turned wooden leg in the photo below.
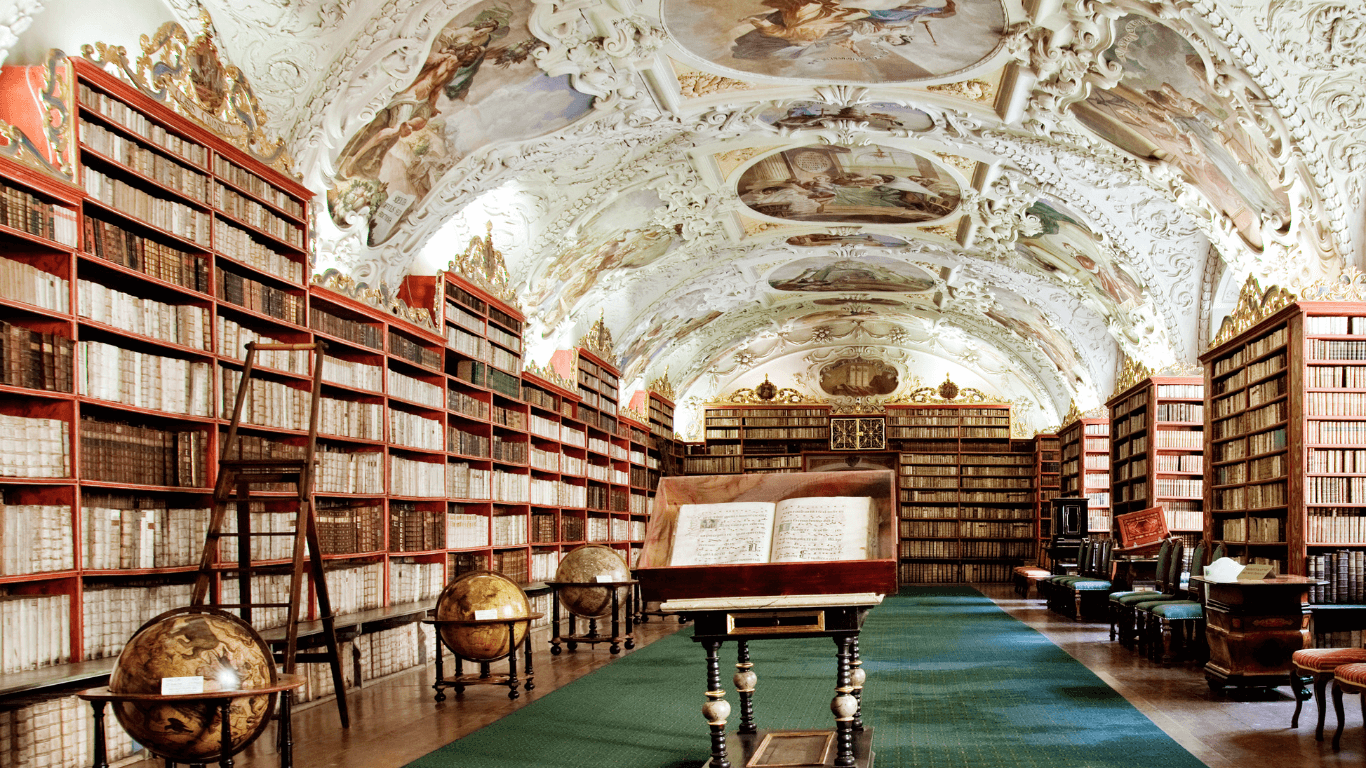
(440, 673)
(225, 746)
(745, 680)
(513, 682)
(857, 677)
(717, 709)
(615, 647)
(101, 751)
(286, 729)
(526, 653)
(844, 705)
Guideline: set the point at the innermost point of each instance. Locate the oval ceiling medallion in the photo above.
(870, 184)
(869, 274)
(829, 239)
(842, 40)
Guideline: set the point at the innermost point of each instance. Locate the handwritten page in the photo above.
(822, 528)
(714, 534)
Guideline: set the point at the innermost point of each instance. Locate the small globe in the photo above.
(590, 564)
(479, 595)
(194, 642)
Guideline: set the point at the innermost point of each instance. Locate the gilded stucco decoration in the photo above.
(380, 298)
(1254, 305)
(484, 265)
(1348, 286)
(191, 77)
(549, 374)
(766, 393)
(598, 340)
(51, 122)
(662, 386)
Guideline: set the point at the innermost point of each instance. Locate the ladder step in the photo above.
(249, 605)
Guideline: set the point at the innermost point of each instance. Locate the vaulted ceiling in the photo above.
(1015, 196)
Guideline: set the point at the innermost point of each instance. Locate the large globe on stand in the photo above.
(480, 595)
(194, 642)
(591, 564)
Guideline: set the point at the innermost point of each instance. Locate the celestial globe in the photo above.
(591, 564)
(482, 595)
(194, 642)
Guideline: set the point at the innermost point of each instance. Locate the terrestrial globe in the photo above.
(591, 564)
(480, 595)
(194, 642)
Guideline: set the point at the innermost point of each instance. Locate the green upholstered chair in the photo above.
(1171, 626)
(1168, 589)
(1090, 595)
(1121, 614)
(1053, 587)
(1318, 665)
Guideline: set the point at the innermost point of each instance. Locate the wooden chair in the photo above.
(1089, 594)
(1121, 603)
(1168, 622)
(1052, 588)
(1026, 576)
(1318, 665)
(1348, 678)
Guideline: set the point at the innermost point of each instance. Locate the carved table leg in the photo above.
(101, 752)
(513, 682)
(554, 624)
(573, 630)
(526, 654)
(844, 705)
(440, 674)
(632, 611)
(745, 680)
(1321, 698)
(225, 745)
(857, 677)
(717, 709)
(459, 671)
(615, 648)
(286, 730)
(1337, 707)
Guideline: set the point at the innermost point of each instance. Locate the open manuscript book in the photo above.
(794, 530)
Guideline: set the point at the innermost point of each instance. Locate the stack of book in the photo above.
(35, 360)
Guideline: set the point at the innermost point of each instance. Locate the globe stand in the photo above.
(644, 611)
(485, 676)
(220, 700)
(571, 640)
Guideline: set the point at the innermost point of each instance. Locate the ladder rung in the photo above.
(250, 605)
(312, 658)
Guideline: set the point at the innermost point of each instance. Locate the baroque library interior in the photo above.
(467, 383)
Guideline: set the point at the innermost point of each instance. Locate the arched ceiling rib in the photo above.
(740, 187)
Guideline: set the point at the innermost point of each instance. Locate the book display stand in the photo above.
(485, 676)
(776, 601)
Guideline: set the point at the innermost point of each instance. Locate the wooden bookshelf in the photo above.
(1084, 444)
(1285, 413)
(1157, 450)
(1047, 486)
(966, 490)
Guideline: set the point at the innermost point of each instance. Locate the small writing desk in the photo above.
(1254, 627)
(742, 619)
(99, 697)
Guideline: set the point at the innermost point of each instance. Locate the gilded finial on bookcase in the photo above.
(380, 298)
(662, 386)
(1072, 417)
(548, 373)
(598, 340)
(1048, 431)
(1132, 373)
(764, 394)
(1254, 305)
(191, 77)
(1350, 285)
(485, 266)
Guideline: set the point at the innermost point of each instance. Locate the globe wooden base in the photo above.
(485, 675)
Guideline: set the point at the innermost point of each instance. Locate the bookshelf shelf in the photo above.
(1084, 448)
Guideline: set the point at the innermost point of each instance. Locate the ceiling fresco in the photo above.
(852, 198)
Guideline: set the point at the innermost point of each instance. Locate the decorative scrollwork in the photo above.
(598, 340)
(547, 373)
(1075, 414)
(1348, 286)
(55, 155)
(946, 392)
(1132, 373)
(662, 386)
(484, 265)
(635, 416)
(1254, 305)
(380, 298)
(766, 393)
(191, 78)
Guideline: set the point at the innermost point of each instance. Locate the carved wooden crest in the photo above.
(483, 265)
(598, 340)
(1254, 305)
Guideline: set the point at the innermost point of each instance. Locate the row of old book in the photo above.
(57, 733)
(35, 360)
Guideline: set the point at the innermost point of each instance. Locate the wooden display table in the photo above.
(617, 639)
(99, 697)
(484, 676)
(1253, 628)
(742, 619)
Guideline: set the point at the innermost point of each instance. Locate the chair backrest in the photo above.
(1198, 563)
(1107, 551)
(1219, 552)
(1083, 557)
(1164, 554)
(1170, 582)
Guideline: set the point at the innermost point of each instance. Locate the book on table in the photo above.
(806, 529)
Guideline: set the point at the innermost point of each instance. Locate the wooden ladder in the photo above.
(236, 480)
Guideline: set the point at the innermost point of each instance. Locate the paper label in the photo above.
(1255, 572)
(485, 615)
(174, 686)
(606, 578)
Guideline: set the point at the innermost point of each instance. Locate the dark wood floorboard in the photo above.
(396, 721)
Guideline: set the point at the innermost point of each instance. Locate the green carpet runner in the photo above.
(952, 681)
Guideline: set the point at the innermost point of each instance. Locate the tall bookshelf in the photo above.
(1157, 450)
(1047, 486)
(1084, 444)
(1285, 412)
(966, 489)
